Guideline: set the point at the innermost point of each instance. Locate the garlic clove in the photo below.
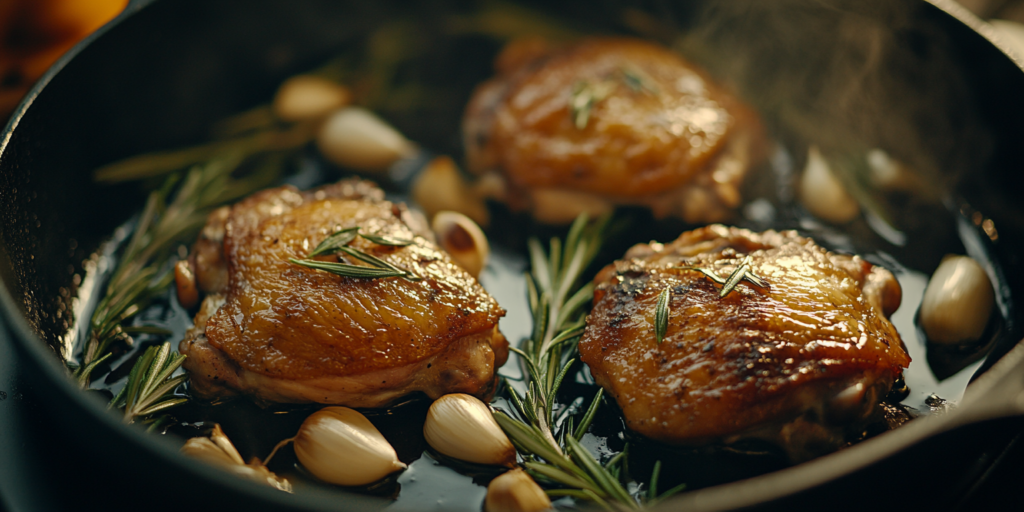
(219, 451)
(185, 282)
(306, 97)
(441, 186)
(220, 439)
(515, 491)
(462, 427)
(957, 302)
(823, 194)
(463, 240)
(355, 137)
(559, 206)
(340, 446)
(207, 451)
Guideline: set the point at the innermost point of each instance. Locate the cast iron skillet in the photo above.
(163, 71)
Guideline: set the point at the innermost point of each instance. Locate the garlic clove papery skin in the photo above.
(823, 194)
(463, 239)
(218, 450)
(462, 427)
(306, 97)
(515, 491)
(355, 137)
(340, 446)
(202, 448)
(957, 303)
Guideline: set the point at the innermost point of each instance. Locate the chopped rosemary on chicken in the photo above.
(557, 300)
(338, 243)
(661, 314)
(742, 272)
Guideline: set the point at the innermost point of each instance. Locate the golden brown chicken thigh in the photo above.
(793, 362)
(609, 121)
(287, 333)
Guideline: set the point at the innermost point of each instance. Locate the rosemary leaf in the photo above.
(334, 242)
(558, 381)
(637, 81)
(671, 492)
(561, 476)
(164, 162)
(150, 385)
(661, 314)
(346, 270)
(709, 274)
(655, 473)
(741, 273)
(734, 279)
(377, 262)
(588, 418)
(387, 240)
(600, 475)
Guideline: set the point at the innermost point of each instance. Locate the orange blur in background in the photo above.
(35, 33)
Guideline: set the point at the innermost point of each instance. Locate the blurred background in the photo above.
(35, 33)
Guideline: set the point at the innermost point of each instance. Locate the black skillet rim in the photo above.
(312, 499)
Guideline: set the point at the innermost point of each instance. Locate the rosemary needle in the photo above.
(661, 314)
(742, 272)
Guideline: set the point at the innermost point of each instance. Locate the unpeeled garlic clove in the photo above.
(306, 97)
(823, 194)
(515, 491)
(219, 451)
(340, 446)
(957, 302)
(355, 137)
(441, 186)
(462, 427)
(463, 240)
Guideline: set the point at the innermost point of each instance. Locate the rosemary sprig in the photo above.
(661, 314)
(387, 240)
(143, 272)
(150, 387)
(165, 162)
(557, 300)
(339, 241)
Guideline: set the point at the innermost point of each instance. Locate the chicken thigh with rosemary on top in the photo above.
(725, 334)
(606, 122)
(334, 296)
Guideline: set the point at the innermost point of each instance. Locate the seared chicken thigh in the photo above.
(282, 332)
(794, 361)
(609, 121)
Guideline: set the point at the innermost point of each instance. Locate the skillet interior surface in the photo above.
(161, 77)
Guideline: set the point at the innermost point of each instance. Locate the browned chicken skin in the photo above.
(656, 131)
(286, 333)
(793, 362)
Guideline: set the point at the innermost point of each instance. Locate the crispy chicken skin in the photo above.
(286, 333)
(793, 363)
(659, 133)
